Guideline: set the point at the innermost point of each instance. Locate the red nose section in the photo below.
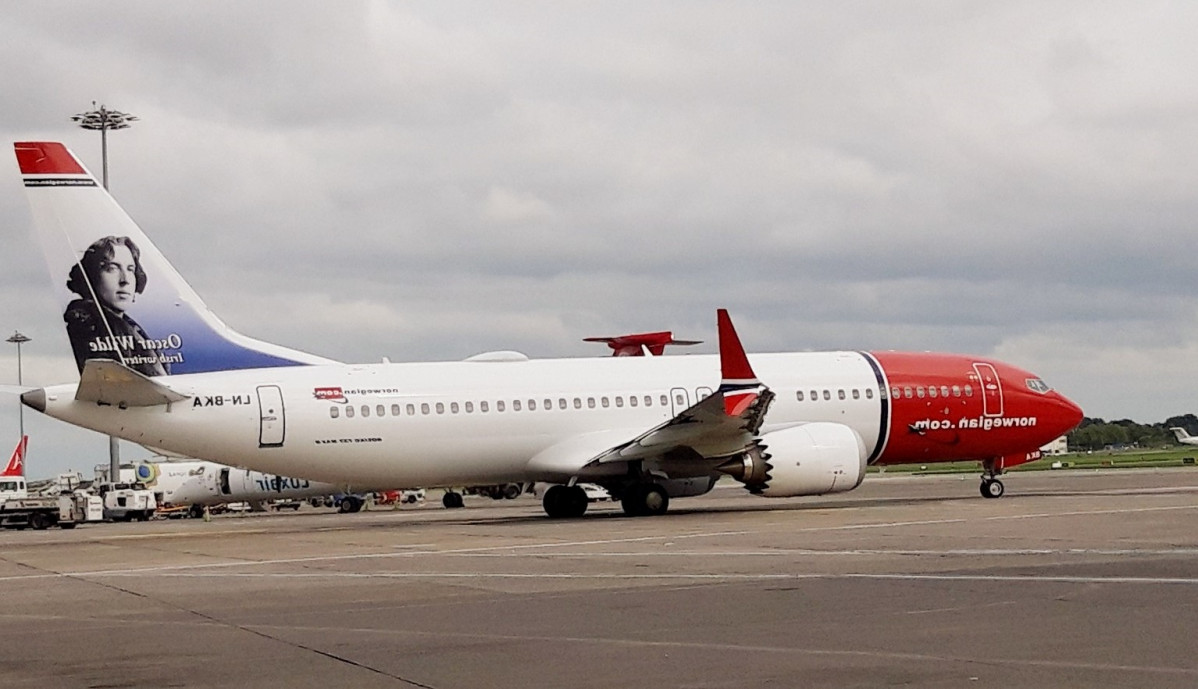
(1061, 413)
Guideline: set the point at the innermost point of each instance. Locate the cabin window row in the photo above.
(920, 392)
(816, 395)
(484, 407)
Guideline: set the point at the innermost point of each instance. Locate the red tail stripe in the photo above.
(46, 158)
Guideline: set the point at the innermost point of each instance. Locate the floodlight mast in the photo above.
(102, 119)
(18, 338)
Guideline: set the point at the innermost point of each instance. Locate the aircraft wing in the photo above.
(110, 382)
(721, 425)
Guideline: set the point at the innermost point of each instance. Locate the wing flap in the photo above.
(109, 382)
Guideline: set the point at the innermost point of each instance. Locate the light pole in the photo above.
(19, 339)
(103, 119)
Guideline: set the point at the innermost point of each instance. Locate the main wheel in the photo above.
(992, 488)
(39, 521)
(565, 502)
(451, 500)
(196, 511)
(645, 500)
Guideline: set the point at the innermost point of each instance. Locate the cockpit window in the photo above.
(1037, 385)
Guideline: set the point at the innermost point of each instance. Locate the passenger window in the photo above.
(440, 407)
(840, 394)
(619, 401)
(411, 410)
(515, 405)
(603, 401)
(944, 391)
(907, 393)
(499, 405)
(648, 401)
(469, 407)
(380, 410)
(549, 405)
(365, 410)
(632, 400)
(395, 410)
(894, 393)
(815, 395)
(856, 394)
(799, 395)
(827, 395)
(349, 412)
(679, 400)
(590, 403)
(453, 407)
(956, 391)
(577, 403)
(334, 412)
(483, 407)
(424, 408)
(869, 393)
(665, 401)
(919, 392)
(532, 405)
(932, 391)
(968, 390)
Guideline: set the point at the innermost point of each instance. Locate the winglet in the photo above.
(16, 464)
(739, 384)
(113, 383)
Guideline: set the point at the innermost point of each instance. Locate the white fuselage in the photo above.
(455, 423)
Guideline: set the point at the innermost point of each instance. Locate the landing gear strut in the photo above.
(991, 487)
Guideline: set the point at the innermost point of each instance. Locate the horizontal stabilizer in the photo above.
(109, 382)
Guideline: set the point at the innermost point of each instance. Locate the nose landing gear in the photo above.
(991, 487)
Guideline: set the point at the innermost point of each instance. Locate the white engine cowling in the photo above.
(811, 459)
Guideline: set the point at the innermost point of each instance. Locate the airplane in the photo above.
(197, 484)
(641, 344)
(158, 368)
(1184, 437)
(12, 479)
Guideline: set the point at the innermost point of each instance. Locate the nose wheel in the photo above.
(992, 488)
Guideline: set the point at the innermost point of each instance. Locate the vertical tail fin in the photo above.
(121, 298)
(16, 463)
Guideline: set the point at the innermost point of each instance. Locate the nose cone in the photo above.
(1062, 414)
(35, 399)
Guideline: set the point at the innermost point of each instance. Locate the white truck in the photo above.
(19, 510)
(124, 502)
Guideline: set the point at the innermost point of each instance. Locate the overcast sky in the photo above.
(430, 180)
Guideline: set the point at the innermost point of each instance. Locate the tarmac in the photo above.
(1073, 579)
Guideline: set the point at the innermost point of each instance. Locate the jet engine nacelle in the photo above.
(811, 459)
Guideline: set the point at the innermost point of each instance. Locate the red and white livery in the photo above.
(646, 428)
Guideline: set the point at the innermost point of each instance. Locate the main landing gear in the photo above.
(645, 500)
(565, 502)
(991, 487)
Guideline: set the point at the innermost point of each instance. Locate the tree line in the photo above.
(1097, 434)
